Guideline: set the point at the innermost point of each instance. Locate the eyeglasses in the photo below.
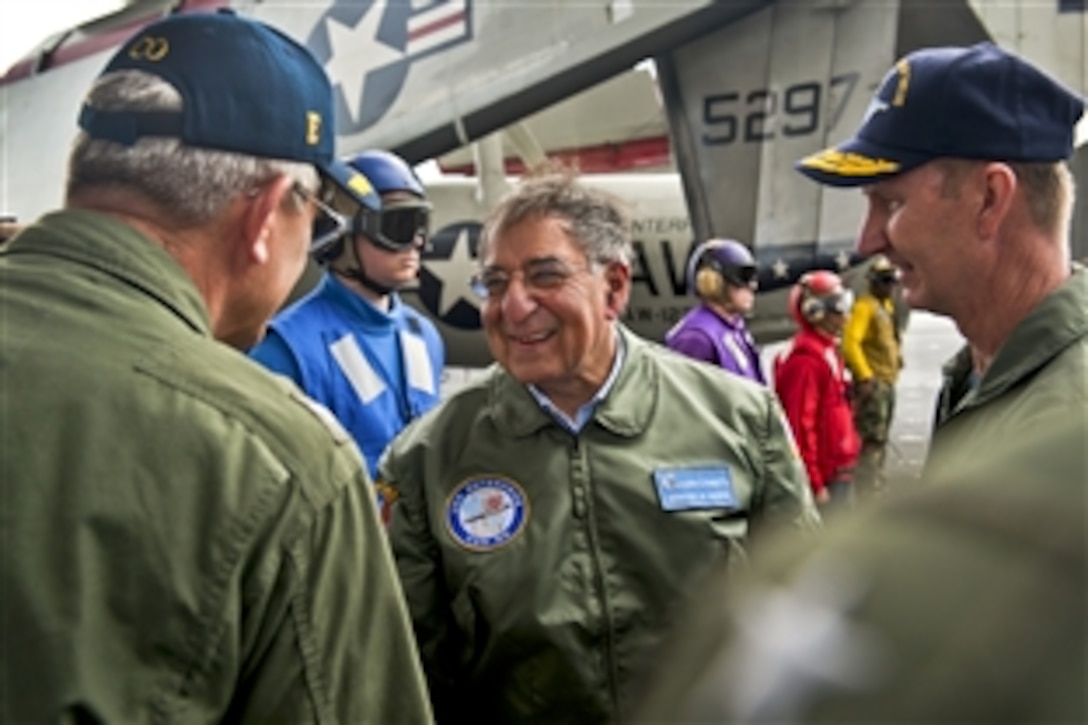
(541, 275)
(395, 228)
(329, 224)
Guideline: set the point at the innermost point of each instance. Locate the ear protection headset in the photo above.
(716, 263)
(813, 308)
(709, 277)
(818, 294)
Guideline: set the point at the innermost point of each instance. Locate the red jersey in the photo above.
(810, 379)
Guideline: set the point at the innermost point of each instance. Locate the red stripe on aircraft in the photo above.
(642, 153)
(445, 22)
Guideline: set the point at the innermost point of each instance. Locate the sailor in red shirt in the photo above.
(811, 380)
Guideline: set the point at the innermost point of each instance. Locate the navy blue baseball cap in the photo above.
(245, 87)
(980, 102)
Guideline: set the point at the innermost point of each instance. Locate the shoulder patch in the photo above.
(387, 496)
(486, 512)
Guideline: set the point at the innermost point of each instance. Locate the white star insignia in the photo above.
(842, 259)
(456, 275)
(354, 52)
(780, 268)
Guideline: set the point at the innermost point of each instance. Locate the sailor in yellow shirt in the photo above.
(870, 345)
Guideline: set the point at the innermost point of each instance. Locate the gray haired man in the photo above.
(195, 540)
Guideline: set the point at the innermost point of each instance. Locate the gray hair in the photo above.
(595, 219)
(1048, 188)
(192, 184)
(1050, 191)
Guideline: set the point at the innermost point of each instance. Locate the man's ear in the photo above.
(617, 278)
(1000, 189)
(259, 218)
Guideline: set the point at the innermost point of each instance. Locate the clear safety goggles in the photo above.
(838, 302)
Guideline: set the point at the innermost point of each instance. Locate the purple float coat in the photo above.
(704, 335)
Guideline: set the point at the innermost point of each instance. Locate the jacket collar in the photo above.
(626, 411)
(1057, 322)
(109, 245)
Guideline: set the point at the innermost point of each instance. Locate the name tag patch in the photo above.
(690, 489)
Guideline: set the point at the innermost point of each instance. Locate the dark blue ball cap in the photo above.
(980, 102)
(245, 87)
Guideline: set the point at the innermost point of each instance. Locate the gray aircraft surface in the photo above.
(743, 87)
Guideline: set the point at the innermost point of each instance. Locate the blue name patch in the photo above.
(689, 489)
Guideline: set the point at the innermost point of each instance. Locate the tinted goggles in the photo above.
(396, 228)
(741, 276)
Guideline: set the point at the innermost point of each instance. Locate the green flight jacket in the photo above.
(540, 567)
(185, 537)
(1040, 372)
(958, 602)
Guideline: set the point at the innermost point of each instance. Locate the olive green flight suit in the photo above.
(543, 568)
(1041, 371)
(184, 537)
(964, 601)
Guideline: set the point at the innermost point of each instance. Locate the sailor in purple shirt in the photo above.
(722, 273)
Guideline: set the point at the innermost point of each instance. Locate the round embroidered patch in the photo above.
(486, 513)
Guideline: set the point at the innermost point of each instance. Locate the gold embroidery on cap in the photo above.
(149, 48)
(904, 83)
(836, 162)
(313, 128)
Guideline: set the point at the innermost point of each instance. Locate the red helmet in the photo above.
(816, 295)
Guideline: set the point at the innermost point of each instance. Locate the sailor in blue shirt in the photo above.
(351, 343)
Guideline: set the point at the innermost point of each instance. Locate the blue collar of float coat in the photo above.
(626, 409)
(309, 329)
(331, 312)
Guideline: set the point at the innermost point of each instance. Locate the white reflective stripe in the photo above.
(420, 373)
(734, 349)
(367, 384)
(833, 362)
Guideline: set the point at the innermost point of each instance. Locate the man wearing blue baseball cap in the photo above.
(962, 601)
(962, 156)
(191, 539)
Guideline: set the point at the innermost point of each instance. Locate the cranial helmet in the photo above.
(387, 172)
(818, 294)
(882, 270)
(717, 262)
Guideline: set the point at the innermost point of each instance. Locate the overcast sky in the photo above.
(26, 23)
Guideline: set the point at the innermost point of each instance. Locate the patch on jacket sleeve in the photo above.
(695, 488)
(487, 512)
(387, 496)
